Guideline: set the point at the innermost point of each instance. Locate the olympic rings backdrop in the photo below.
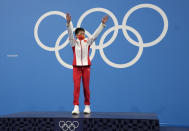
(139, 61)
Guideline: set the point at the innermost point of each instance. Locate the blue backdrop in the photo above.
(33, 78)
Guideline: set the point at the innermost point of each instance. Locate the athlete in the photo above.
(81, 62)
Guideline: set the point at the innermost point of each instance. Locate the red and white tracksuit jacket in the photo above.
(81, 62)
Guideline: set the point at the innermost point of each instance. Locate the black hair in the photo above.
(77, 30)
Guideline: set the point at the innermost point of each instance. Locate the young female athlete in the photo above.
(81, 62)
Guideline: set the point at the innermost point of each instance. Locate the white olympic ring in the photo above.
(159, 10)
(133, 60)
(68, 125)
(107, 12)
(115, 28)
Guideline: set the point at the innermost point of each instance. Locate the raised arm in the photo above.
(69, 28)
(98, 30)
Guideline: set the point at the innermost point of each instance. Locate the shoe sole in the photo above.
(87, 112)
(75, 113)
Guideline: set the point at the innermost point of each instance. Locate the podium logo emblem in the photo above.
(68, 125)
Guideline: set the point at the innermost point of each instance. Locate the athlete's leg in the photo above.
(77, 80)
(85, 80)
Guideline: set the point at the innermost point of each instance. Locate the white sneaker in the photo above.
(87, 109)
(75, 110)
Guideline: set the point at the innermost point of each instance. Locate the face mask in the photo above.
(81, 37)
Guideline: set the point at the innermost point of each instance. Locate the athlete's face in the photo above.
(80, 33)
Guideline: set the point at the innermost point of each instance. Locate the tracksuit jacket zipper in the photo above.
(81, 53)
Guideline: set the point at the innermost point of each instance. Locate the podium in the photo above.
(65, 121)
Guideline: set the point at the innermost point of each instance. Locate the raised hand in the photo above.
(105, 19)
(68, 18)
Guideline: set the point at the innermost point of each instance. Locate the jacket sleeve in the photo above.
(70, 35)
(96, 33)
